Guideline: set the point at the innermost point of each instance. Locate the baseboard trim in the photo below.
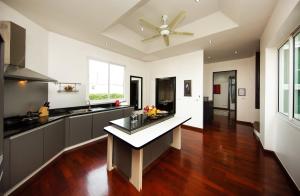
(191, 128)
(244, 123)
(274, 155)
(66, 150)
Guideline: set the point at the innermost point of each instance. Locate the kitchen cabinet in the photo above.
(54, 139)
(127, 111)
(5, 185)
(26, 154)
(100, 120)
(115, 114)
(80, 129)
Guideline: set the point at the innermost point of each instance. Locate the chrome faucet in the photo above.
(89, 103)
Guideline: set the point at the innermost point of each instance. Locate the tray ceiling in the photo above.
(220, 27)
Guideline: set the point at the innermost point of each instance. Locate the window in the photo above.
(284, 63)
(289, 77)
(297, 76)
(106, 81)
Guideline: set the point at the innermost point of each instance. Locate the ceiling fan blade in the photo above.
(149, 25)
(150, 38)
(166, 39)
(177, 20)
(181, 33)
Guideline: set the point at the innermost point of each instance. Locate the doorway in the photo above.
(224, 94)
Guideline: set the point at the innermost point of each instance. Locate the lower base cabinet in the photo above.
(80, 129)
(28, 151)
(26, 154)
(54, 139)
(100, 120)
(127, 112)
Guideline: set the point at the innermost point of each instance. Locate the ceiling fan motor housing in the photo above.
(164, 32)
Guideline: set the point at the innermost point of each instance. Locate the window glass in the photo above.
(297, 77)
(284, 61)
(116, 81)
(106, 81)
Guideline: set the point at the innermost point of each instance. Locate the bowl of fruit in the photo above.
(150, 111)
(154, 113)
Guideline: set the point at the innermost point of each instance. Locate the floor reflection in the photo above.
(96, 181)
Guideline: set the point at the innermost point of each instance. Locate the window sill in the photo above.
(108, 101)
(291, 121)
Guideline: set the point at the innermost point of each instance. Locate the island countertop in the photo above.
(140, 139)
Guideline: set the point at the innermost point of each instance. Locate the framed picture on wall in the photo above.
(217, 89)
(242, 92)
(187, 88)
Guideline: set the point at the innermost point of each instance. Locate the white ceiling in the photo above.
(231, 25)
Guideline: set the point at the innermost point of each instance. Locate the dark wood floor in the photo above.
(224, 160)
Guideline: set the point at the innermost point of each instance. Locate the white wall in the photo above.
(65, 59)
(277, 132)
(36, 39)
(245, 79)
(68, 62)
(184, 67)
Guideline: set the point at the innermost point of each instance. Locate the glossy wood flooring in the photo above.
(224, 160)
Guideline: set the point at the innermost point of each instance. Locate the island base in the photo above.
(131, 161)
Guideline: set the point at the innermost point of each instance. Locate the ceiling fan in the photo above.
(165, 30)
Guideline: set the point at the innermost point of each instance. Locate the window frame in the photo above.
(291, 113)
(294, 35)
(278, 78)
(109, 100)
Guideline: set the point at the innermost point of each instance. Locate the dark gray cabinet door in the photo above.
(127, 111)
(6, 174)
(100, 120)
(80, 129)
(54, 139)
(115, 114)
(26, 154)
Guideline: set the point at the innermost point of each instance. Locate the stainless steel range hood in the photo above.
(14, 54)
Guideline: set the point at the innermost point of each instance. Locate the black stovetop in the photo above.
(130, 126)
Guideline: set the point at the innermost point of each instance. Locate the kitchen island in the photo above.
(132, 153)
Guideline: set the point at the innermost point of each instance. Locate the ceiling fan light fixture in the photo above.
(164, 32)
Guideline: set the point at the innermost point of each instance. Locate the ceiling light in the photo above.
(235, 52)
(197, 1)
(164, 32)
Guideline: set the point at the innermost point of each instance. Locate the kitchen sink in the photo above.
(86, 110)
(97, 109)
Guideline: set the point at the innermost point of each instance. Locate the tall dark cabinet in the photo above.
(166, 94)
(1, 109)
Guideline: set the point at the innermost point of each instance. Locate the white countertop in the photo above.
(141, 138)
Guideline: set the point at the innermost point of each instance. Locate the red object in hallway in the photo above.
(117, 103)
(217, 89)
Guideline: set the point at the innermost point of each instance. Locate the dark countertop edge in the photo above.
(138, 148)
(59, 117)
